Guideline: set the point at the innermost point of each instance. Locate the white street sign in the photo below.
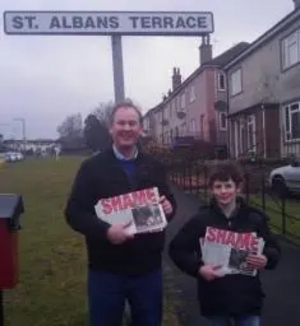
(108, 23)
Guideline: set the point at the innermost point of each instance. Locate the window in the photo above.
(223, 121)
(170, 110)
(183, 127)
(147, 124)
(177, 103)
(251, 136)
(171, 135)
(167, 140)
(192, 94)
(291, 50)
(236, 82)
(292, 121)
(182, 105)
(242, 136)
(221, 81)
(192, 127)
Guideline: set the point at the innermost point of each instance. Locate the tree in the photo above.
(96, 127)
(103, 112)
(71, 132)
(71, 127)
(1, 141)
(96, 133)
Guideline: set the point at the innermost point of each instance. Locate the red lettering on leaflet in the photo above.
(230, 240)
(116, 203)
(106, 207)
(221, 236)
(210, 234)
(127, 201)
(139, 197)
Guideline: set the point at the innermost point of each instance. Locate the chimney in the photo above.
(176, 78)
(296, 4)
(205, 50)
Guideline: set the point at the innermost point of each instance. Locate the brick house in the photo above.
(195, 107)
(264, 92)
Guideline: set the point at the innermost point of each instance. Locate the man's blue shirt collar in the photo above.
(121, 157)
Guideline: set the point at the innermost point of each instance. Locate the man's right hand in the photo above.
(117, 234)
(209, 272)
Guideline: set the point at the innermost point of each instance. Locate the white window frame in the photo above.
(236, 82)
(221, 114)
(242, 127)
(251, 121)
(221, 75)
(169, 108)
(237, 139)
(288, 112)
(192, 127)
(147, 124)
(167, 140)
(183, 128)
(291, 49)
(182, 101)
(192, 94)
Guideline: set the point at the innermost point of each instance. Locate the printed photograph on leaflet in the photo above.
(230, 249)
(141, 208)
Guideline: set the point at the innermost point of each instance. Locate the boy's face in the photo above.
(225, 192)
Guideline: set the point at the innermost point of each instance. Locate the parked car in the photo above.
(11, 157)
(286, 179)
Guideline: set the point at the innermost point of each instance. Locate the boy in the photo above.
(226, 298)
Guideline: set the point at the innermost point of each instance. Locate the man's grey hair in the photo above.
(125, 104)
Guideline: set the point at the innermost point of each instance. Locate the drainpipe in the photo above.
(229, 135)
(264, 129)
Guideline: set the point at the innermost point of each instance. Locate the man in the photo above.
(121, 266)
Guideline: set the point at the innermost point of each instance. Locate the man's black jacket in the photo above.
(232, 294)
(102, 176)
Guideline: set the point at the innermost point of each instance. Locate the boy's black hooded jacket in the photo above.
(102, 176)
(232, 294)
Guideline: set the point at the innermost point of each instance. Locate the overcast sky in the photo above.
(45, 78)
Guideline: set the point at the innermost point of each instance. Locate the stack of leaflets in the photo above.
(229, 250)
(140, 209)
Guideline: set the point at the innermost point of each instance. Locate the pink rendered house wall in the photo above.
(202, 108)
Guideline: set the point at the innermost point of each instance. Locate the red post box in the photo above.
(11, 208)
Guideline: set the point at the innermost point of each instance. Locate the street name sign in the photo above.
(112, 23)
(108, 23)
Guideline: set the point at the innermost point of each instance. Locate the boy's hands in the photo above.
(209, 272)
(257, 261)
(166, 205)
(117, 234)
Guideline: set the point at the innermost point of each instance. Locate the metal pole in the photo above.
(24, 134)
(117, 56)
(1, 309)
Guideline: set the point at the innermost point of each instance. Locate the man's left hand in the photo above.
(166, 205)
(257, 261)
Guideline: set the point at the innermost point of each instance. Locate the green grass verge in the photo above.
(51, 290)
(282, 214)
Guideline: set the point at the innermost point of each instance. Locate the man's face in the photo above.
(225, 192)
(126, 127)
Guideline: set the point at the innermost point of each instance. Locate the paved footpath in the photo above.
(282, 286)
